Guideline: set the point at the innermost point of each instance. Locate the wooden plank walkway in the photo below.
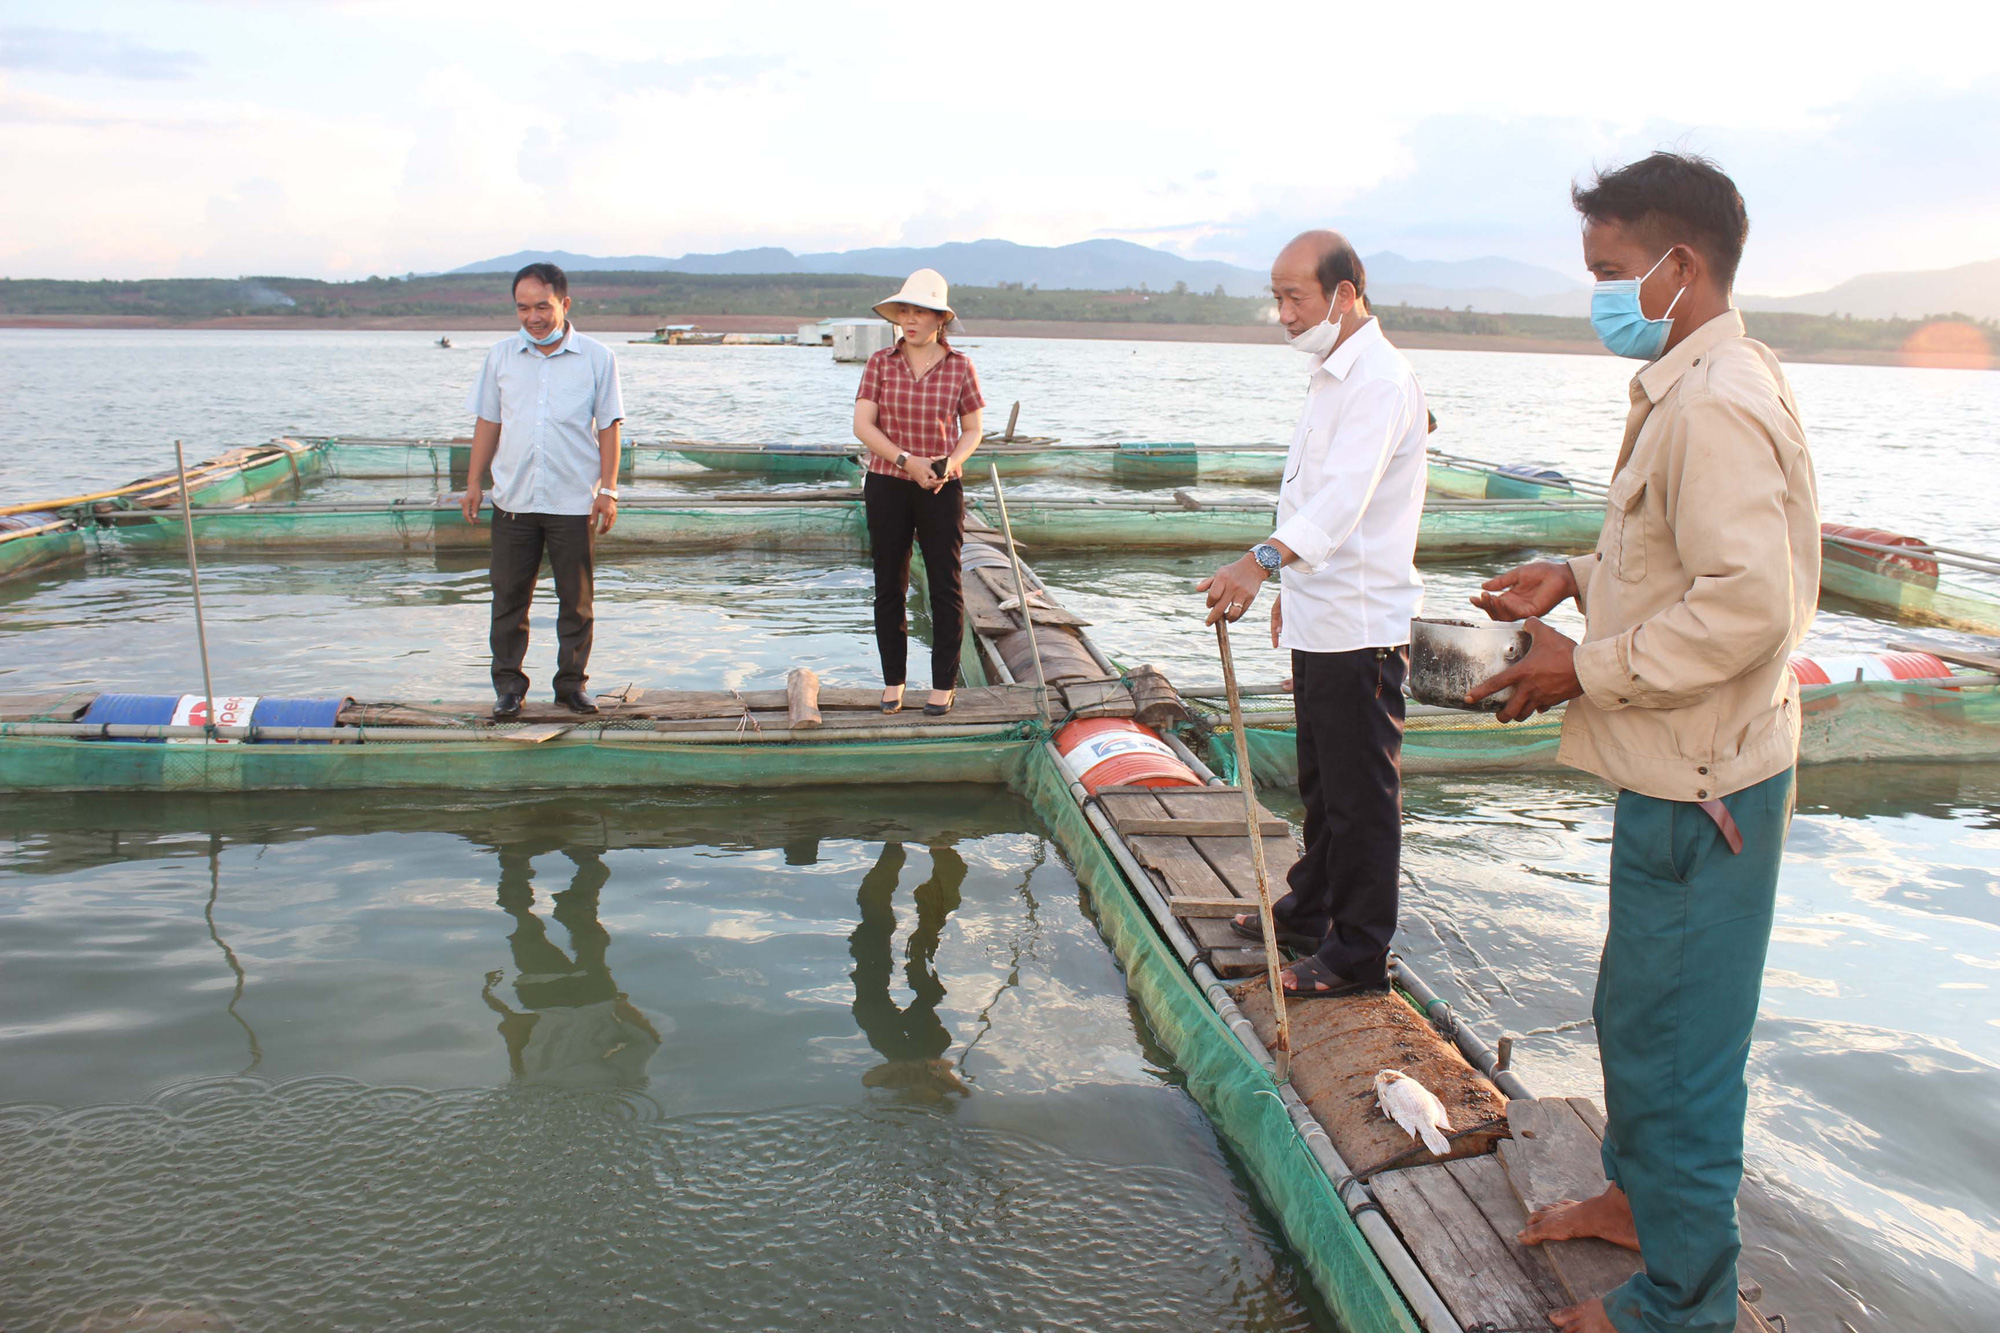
(1554, 1155)
(1458, 1216)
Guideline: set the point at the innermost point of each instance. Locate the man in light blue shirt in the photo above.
(548, 410)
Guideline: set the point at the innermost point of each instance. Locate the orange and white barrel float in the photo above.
(1869, 666)
(1118, 752)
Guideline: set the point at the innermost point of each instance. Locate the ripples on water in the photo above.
(364, 936)
(832, 1059)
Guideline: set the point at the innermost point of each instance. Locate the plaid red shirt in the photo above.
(919, 415)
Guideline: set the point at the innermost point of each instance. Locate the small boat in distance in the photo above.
(443, 341)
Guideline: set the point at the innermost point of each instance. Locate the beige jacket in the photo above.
(1704, 580)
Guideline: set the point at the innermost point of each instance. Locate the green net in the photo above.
(336, 528)
(837, 525)
(36, 550)
(1852, 721)
(1942, 604)
(579, 760)
(1048, 525)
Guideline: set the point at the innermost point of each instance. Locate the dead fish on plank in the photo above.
(1415, 1108)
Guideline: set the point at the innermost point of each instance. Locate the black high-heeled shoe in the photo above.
(895, 706)
(939, 710)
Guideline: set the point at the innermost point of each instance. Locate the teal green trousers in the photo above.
(1677, 994)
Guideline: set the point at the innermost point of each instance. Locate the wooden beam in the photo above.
(1181, 906)
(1554, 1156)
(802, 697)
(1200, 828)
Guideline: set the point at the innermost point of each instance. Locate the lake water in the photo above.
(227, 1018)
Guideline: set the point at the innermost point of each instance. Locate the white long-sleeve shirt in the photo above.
(1352, 497)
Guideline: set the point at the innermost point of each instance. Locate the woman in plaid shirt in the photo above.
(918, 411)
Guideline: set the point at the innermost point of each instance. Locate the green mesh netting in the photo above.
(1944, 604)
(1230, 1086)
(821, 525)
(1443, 534)
(837, 526)
(578, 760)
(1851, 721)
(18, 555)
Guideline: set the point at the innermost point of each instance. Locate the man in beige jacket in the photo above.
(1702, 584)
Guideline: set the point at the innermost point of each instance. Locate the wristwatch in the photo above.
(1268, 557)
(607, 491)
(901, 459)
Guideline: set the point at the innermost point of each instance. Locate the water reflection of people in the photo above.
(912, 1040)
(576, 1028)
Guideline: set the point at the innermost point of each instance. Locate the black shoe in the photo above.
(939, 710)
(508, 709)
(577, 702)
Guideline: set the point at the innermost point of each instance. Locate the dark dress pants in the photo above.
(902, 513)
(519, 543)
(1350, 729)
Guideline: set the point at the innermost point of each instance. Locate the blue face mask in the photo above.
(1620, 321)
(554, 335)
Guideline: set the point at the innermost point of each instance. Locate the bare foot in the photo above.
(1586, 1318)
(1606, 1217)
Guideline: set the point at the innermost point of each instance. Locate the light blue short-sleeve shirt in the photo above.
(550, 408)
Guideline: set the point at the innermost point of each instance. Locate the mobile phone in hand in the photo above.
(938, 466)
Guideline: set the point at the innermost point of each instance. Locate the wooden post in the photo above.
(1282, 1051)
(1012, 417)
(1021, 591)
(194, 581)
(802, 697)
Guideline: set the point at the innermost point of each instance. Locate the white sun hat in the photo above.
(925, 289)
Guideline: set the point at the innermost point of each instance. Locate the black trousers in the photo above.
(519, 543)
(1350, 727)
(901, 512)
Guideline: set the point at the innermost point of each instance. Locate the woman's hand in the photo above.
(1277, 616)
(919, 470)
(954, 468)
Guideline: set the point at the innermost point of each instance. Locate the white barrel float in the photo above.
(1868, 666)
(1118, 752)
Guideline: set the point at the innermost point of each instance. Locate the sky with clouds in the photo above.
(340, 138)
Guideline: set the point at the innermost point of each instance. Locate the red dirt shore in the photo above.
(987, 328)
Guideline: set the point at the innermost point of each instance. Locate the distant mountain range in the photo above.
(1104, 265)
(1969, 289)
(1489, 284)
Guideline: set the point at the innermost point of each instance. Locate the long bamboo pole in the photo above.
(194, 579)
(1021, 592)
(1282, 1052)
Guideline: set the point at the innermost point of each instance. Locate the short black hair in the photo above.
(1681, 198)
(1337, 264)
(554, 278)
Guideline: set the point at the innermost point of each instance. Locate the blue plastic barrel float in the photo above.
(157, 710)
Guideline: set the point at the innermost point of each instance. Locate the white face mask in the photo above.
(1320, 338)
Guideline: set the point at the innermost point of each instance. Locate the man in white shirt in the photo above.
(1346, 541)
(548, 410)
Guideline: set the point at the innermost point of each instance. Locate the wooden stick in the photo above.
(1282, 1052)
(802, 697)
(194, 578)
(1012, 417)
(1021, 591)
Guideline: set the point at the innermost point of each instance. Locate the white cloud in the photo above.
(415, 137)
(65, 51)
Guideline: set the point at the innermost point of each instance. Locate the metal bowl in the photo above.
(1449, 657)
